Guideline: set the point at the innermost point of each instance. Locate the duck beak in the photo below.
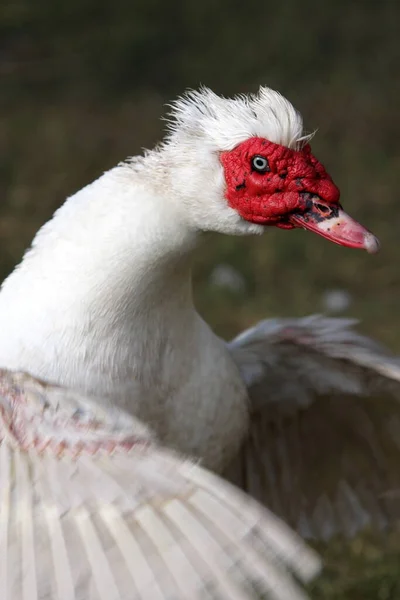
(332, 223)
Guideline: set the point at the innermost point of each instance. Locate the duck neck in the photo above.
(106, 284)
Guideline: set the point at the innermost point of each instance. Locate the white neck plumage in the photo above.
(107, 279)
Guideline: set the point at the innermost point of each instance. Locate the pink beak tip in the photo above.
(371, 243)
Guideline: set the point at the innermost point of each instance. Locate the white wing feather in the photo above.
(93, 509)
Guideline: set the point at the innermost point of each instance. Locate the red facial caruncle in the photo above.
(270, 184)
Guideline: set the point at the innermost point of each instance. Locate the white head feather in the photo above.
(223, 123)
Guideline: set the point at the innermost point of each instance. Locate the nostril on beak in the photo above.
(322, 208)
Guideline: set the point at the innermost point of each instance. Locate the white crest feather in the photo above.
(225, 122)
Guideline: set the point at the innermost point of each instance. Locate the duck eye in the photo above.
(260, 164)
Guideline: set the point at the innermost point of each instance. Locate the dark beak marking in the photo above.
(317, 211)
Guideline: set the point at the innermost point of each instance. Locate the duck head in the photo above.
(245, 164)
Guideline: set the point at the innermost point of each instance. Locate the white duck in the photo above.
(102, 304)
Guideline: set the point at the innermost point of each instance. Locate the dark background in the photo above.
(83, 84)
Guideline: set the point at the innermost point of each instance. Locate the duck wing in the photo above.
(93, 508)
(323, 450)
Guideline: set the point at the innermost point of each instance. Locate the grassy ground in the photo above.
(366, 568)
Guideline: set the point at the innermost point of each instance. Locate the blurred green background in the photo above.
(83, 84)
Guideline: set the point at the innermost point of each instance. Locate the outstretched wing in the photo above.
(324, 446)
(91, 508)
